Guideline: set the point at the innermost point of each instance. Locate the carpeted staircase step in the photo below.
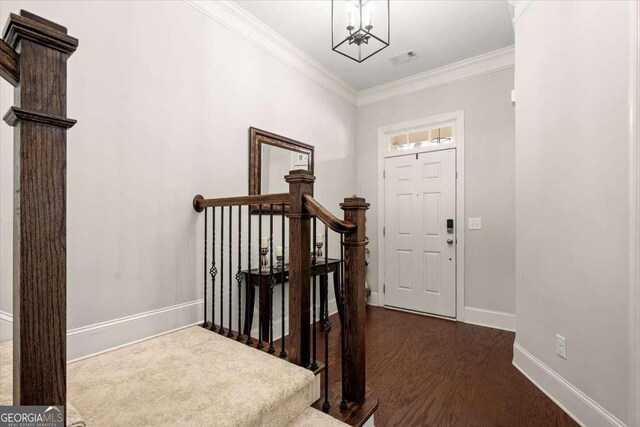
(6, 385)
(189, 377)
(265, 346)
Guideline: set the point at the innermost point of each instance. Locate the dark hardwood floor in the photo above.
(431, 372)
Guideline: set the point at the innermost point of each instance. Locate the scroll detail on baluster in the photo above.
(213, 271)
(239, 275)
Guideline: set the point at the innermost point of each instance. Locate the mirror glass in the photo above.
(276, 163)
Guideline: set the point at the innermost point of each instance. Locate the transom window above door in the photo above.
(442, 134)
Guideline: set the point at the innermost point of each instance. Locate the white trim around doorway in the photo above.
(457, 118)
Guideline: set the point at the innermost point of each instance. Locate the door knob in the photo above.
(450, 241)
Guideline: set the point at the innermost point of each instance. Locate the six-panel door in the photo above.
(420, 263)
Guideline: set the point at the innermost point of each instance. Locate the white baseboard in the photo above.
(584, 410)
(490, 318)
(6, 326)
(101, 337)
(105, 336)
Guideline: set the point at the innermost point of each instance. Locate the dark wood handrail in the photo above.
(9, 63)
(332, 221)
(199, 202)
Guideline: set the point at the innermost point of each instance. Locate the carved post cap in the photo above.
(354, 203)
(300, 175)
(32, 27)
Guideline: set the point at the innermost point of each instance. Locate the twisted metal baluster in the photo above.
(314, 341)
(221, 328)
(239, 276)
(230, 328)
(260, 345)
(283, 352)
(327, 324)
(213, 271)
(343, 403)
(249, 288)
(272, 280)
(204, 323)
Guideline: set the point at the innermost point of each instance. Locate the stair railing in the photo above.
(306, 263)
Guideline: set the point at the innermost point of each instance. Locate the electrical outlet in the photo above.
(475, 224)
(561, 346)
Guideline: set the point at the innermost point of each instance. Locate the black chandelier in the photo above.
(359, 28)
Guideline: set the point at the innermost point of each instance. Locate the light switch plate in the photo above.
(475, 224)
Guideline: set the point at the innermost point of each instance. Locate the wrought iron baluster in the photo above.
(204, 324)
(239, 276)
(343, 403)
(260, 345)
(213, 271)
(272, 280)
(221, 328)
(314, 340)
(327, 324)
(230, 328)
(283, 352)
(249, 284)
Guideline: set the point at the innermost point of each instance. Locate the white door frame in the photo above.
(457, 117)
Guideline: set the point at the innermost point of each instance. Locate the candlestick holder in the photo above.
(264, 262)
(279, 263)
(319, 246)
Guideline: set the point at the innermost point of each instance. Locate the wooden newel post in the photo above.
(40, 49)
(300, 183)
(354, 385)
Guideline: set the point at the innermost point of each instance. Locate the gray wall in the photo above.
(164, 97)
(572, 199)
(489, 177)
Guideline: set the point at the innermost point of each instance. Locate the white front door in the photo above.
(420, 249)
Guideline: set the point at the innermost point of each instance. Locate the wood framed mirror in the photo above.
(271, 157)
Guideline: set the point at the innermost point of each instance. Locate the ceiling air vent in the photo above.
(403, 57)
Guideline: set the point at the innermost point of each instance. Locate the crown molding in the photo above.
(235, 18)
(241, 22)
(496, 60)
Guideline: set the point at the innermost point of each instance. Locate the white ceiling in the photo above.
(440, 32)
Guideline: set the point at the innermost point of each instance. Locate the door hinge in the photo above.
(384, 173)
(384, 231)
(384, 289)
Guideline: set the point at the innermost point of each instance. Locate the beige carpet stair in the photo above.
(191, 377)
(6, 385)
